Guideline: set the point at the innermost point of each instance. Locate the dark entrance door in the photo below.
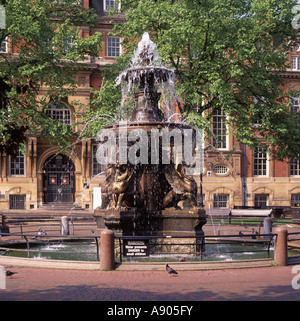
(59, 179)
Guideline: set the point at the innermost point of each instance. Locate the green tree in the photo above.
(49, 52)
(105, 103)
(226, 54)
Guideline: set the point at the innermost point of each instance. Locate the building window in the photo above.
(294, 167)
(295, 63)
(3, 46)
(295, 104)
(17, 202)
(260, 162)
(221, 170)
(113, 46)
(69, 45)
(219, 130)
(259, 114)
(17, 164)
(97, 167)
(59, 112)
(200, 199)
(111, 4)
(221, 201)
(296, 47)
(295, 200)
(261, 200)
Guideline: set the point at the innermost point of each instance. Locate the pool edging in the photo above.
(132, 266)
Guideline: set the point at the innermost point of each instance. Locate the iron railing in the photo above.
(197, 247)
(45, 239)
(54, 227)
(155, 242)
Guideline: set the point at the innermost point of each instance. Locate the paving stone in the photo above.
(32, 284)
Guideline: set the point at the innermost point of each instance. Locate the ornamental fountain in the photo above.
(146, 178)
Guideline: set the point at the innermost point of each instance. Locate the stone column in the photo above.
(29, 159)
(65, 225)
(34, 168)
(281, 249)
(107, 250)
(4, 166)
(89, 155)
(83, 159)
(268, 225)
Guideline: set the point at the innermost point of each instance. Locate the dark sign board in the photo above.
(135, 248)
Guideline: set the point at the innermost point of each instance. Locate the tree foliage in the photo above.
(226, 54)
(105, 103)
(48, 52)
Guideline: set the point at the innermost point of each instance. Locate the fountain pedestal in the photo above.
(183, 222)
(120, 221)
(171, 222)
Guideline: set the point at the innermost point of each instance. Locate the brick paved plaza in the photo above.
(35, 284)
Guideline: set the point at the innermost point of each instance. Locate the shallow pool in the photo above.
(74, 251)
(87, 251)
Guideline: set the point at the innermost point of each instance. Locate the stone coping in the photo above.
(133, 266)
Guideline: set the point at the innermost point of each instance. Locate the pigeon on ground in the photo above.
(170, 270)
(10, 273)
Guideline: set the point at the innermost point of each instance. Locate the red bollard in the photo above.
(107, 250)
(281, 248)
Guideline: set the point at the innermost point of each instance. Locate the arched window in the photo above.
(59, 111)
(221, 170)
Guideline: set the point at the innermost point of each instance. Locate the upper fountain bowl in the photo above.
(146, 66)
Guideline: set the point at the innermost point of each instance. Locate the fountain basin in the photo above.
(214, 252)
(75, 250)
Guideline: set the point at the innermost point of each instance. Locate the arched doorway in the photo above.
(59, 179)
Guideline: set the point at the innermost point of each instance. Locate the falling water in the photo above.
(146, 61)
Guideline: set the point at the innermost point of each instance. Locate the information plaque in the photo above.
(135, 248)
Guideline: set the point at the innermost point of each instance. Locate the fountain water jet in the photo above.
(141, 197)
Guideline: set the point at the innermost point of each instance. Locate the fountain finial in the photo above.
(146, 53)
(145, 36)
